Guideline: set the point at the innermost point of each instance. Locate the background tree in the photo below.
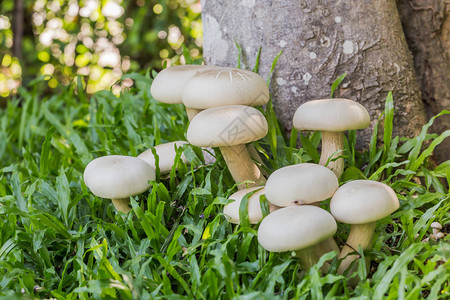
(99, 40)
(321, 40)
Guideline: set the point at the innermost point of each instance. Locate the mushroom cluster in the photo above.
(222, 99)
(227, 119)
(219, 102)
(298, 223)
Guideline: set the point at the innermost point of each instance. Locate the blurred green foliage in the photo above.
(98, 39)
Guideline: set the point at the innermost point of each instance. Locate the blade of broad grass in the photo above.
(427, 152)
(309, 148)
(239, 58)
(272, 68)
(45, 153)
(388, 125)
(258, 57)
(336, 83)
(418, 141)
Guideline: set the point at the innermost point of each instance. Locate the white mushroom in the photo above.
(168, 85)
(225, 86)
(361, 203)
(231, 210)
(118, 177)
(332, 117)
(166, 154)
(299, 229)
(230, 128)
(301, 184)
(436, 227)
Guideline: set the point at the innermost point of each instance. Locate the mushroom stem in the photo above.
(307, 256)
(255, 156)
(241, 166)
(121, 205)
(324, 247)
(192, 112)
(360, 235)
(332, 142)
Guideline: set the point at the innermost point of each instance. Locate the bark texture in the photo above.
(426, 24)
(320, 40)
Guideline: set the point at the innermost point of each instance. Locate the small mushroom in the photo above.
(332, 117)
(231, 210)
(300, 184)
(439, 235)
(230, 128)
(361, 203)
(168, 85)
(118, 177)
(166, 154)
(436, 227)
(299, 229)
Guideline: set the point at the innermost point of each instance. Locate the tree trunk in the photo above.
(320, 40)
(426, 24)
(17, 29)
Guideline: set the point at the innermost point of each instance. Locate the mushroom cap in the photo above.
(301, 184)
(436, 225)
(333, 115)
(295, 227)
(227, 126)
(363, 201)
(168, 85)
(166, 153)
(225, 86)
(118, 176)
(231, 210)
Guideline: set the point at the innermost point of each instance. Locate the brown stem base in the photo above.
(192, 112)
(121, 205)
(241, 166)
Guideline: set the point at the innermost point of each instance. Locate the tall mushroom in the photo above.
(118, 177)
(332, 117)
(168, 85)
(223, 86)
(297, 228)
(230, 128)
(361, 203)
(231, 210)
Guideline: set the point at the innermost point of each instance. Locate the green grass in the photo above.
(58, 240)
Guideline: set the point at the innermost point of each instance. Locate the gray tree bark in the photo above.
(320, 40)
(426, 24)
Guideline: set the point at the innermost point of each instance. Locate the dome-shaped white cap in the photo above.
(227, 126)
(301, 184)
(166, 153)
(363, 201)
(294, 228)
(225, 86)
(168, 85)
(231, 210)
(331, 115)
(117, 176)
